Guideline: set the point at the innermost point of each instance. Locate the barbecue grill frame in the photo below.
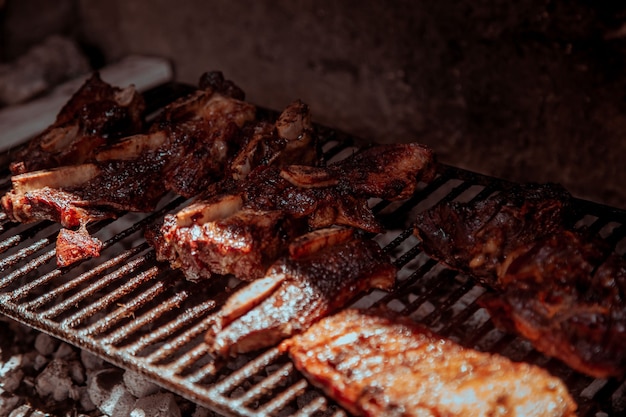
(140, 315)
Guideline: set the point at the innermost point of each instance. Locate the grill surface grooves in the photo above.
(140, 315)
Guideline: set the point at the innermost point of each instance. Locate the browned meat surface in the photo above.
(218, 234)
(290, 140)
(244, 243)
(391, 172)
(180, 155)
(96, 115)
(567, 295)
(327, 270)
(376, 365)
(185, 151)
(560, 289)
(73, 246)
(321, 206)
(338, 194)
(200, 146)
(475, 237)
(242, 232)
(40, 195)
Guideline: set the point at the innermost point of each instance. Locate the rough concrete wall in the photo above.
(529, 90)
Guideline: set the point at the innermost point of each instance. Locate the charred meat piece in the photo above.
(323, 273)
(184, 151)
(560, 289)
(193, 139)
(290, 140)
(475, 237)
(98, 114)
(73, 246)
(218, 234)
(221, 237)
(134, 173)
(567, 295)
(375, 364)
(390, 172)
(244, 230)
(338, 194)
(268, 190)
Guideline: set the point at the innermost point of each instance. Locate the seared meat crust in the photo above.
(338, 194)
(96, 115)
(296, 292)
(243, 244)
(476, 237)
(560, 289)
(378, 365)
(567, 295)
(276, 204)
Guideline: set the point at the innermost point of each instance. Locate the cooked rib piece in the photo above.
(96, 115)
(180, 155)
(391, 172)
(78, 195)
(217, 234)
(567, 295)
(199, 150)
(338, 194)
(213, 236)
(374, 364)
(558, 288)
(267, 190)
(230, 240)
(184, 151)
(476, 237)
(290, 140)
(298, 290)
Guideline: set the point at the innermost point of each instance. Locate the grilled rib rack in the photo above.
(139, 314)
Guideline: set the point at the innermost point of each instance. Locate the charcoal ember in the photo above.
(90, 361)
(58, 380)
(23, 410)
(11, 373)
(39, 362)
(108, 393)
(45, 344)
(156, 405)
(139, 385)
(65, 351)
(8, 402)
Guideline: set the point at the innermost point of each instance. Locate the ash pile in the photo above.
(42, 376)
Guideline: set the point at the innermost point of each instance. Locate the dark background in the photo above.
(525, 90)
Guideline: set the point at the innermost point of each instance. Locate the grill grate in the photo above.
(140, 315)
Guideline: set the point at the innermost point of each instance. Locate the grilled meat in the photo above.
(230, 240)
(323, 273)
(475, 238)
(98, 114)
(338, 194)
(268, 190)
(560, 289)
(193, 139)
(391, 172)
(290, 140)
(374, 364)
(567, 295)
(218, 234)
(186, 149)
(73, 246)
(245, 229)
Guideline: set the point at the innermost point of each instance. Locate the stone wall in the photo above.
(526, 90)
